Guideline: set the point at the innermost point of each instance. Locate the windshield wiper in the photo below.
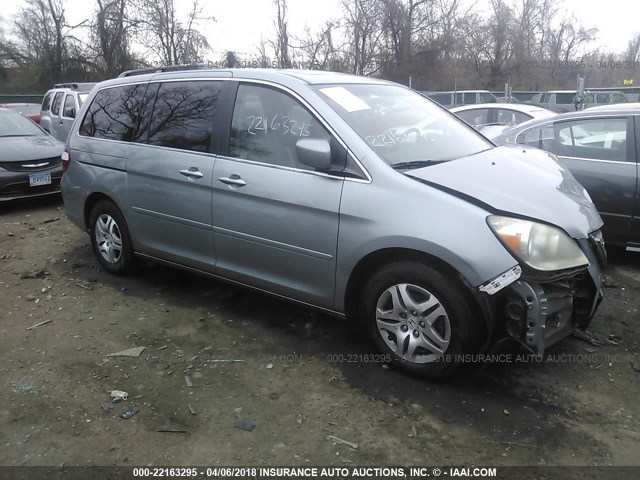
(413, 164)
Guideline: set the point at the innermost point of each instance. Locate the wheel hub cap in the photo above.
(108, 238)
(413, 323)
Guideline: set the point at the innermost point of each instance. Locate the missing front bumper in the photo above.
(541, 314)
(541, 309)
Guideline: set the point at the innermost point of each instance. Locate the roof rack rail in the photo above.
(160, 69)
(75, 85)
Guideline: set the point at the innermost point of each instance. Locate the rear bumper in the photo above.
(15, 185)
(539, 311)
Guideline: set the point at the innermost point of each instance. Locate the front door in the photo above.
(275, 220)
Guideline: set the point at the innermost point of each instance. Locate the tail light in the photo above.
(66, 159)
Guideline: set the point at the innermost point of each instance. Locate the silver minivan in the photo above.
(355, 196)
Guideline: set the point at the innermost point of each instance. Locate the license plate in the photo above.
(37, 179)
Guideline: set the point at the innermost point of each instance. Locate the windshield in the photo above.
(401, 126)
(486, 97)
(15, 125)
(82, 97)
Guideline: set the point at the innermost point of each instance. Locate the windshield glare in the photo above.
(15, 125)
(402, 126)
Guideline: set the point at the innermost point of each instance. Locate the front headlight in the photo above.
(540, 246)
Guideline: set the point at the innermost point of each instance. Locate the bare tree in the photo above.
(45, 41)
(281, 43)
(230, 59)
(633, 49)
(174, 42)
(363, 22)
(111, 33)
(317, 47)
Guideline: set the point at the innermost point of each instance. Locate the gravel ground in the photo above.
(217, 358)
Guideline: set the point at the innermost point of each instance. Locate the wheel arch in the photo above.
(92, 200)
(379, 258)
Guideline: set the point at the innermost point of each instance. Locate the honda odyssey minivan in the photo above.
(355, 196)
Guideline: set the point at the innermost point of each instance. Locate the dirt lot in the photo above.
(579, 407)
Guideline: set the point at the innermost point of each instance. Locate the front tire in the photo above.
(419, 316)
(110, 238)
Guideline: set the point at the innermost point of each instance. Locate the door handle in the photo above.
(193, 172)
(61, 122)
(233, 180)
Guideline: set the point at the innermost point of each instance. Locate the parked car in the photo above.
(491, 119)
(617, 107)
(564, 100)
(461, 97)
(29, 110)
(30, 163)
(60, 106)
(599, 146)
(344, 193)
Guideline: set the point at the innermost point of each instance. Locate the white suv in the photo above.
(60, 106)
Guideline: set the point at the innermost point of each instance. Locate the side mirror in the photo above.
(315, 153)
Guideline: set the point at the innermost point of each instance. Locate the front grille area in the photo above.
(31, 165)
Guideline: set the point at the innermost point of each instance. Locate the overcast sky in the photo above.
(242, 23)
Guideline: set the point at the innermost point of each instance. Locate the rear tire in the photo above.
(110, 239)
(419, 317)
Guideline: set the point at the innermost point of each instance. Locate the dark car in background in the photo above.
(30, 164)
(29, 110)
(601, 147)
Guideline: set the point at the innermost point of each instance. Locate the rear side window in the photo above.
(441, 98)
(46, 102)
(485, 97)
(183, 115)
(562, 98)
(57, 101)
(113, 114)
(599, 139)
(469, 98)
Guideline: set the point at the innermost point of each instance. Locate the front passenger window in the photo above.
(266, 125)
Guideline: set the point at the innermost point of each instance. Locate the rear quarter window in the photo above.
(114, 113)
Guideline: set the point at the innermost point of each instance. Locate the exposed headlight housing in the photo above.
(542, 247)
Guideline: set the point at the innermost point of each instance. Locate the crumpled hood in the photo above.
(521, 181)
(20, 149)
